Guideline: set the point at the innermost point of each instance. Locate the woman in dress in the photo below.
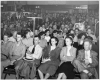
(50, 59)
(67, 55)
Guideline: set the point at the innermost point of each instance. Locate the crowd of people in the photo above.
(60, 44)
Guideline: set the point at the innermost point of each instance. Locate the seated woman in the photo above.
(67, 56)
(43, 42)
(27, 39)
(50, 61)
(33, 54)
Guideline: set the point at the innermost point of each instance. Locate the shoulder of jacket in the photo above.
(74, 48)
(81, 50)
(94, 53)
(63, 48)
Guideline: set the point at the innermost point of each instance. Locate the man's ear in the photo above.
(39, 41)
(90, 46)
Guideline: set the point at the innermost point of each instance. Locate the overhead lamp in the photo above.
(36, 6)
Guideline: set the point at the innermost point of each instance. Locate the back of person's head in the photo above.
(24, 32)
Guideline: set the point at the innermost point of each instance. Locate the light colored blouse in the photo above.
(68, 54)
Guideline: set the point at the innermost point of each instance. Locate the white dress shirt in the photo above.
(47, 38)
(37, 52)
(87, 56)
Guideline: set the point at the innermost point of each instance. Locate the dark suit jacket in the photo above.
(54, 55)
(93, 54)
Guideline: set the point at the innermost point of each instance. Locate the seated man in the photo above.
(17, 51)
(4, 44)
(86, 61)
(32, 58)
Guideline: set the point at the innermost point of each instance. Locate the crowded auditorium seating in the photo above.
(53, 31)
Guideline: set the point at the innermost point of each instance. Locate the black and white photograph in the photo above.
(57, 39)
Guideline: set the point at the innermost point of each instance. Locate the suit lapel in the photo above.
(91, 53)
(83, 54)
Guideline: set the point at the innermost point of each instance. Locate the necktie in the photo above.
(33, 50)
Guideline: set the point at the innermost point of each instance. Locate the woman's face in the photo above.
(55, 34)
(53, 41)
(47, 33)
(68, 42)
(76, 31)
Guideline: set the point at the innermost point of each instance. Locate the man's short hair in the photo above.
(88, 40)
(19, 33)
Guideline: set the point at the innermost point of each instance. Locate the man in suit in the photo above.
(86, 61)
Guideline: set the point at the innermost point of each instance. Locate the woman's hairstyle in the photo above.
(56, 39)
(46, 31)
(40, 34)
(59, 32)
(71, 35)
(24, 32)
(55, 31)
(81, 34)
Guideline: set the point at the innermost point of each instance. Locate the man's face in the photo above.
(15, 34)
(89, 31)
(87, 46)
(5, 38)
(19, 38)
(36, 40)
